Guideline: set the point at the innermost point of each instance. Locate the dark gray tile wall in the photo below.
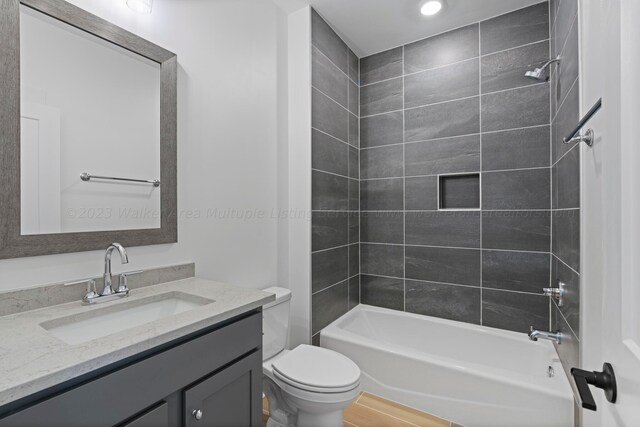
(458, 103)
(335, 162)
(565, 189)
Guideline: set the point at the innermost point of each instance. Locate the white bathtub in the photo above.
(471, 375)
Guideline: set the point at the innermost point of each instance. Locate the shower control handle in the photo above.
(606, 380)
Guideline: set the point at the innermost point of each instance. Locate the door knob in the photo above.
(197, 414)
(606, 380)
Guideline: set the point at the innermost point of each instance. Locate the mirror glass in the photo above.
(87, 107)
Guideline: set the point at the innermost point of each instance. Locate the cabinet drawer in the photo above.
(118, 395)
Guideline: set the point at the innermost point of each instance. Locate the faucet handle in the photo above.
(122, 282)
(91, 292)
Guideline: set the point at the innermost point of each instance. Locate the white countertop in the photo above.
(32, 360)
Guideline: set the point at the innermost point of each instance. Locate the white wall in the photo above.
(228, 127)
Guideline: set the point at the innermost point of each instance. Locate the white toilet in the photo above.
(307, 386)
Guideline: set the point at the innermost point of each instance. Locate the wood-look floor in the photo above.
(373, 411)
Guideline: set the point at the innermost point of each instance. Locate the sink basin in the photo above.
(108, 320)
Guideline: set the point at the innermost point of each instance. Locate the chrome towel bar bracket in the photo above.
(85, 176)
(589, 136)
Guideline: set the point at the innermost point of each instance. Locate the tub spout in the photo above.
(535, 334)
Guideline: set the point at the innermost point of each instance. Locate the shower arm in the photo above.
(549, 62)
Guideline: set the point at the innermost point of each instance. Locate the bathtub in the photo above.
(471, 375)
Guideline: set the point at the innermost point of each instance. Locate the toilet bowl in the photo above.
(307, 386)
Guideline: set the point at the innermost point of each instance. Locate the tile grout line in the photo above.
(348, 183)
(404, 194)
(551, 180)
(359, 180)
(481, 166)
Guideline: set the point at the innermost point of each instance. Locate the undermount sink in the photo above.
(108, 320)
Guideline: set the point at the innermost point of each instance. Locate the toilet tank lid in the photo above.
(282, 295)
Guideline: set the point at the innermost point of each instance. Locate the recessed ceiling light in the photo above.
(140, 6)
(431, 7)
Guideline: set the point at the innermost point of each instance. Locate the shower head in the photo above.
(540, 74)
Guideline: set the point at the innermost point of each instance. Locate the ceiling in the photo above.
(372, 26)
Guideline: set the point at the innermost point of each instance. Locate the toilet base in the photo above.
(287, 410)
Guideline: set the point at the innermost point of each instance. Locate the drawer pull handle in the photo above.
(197, 414)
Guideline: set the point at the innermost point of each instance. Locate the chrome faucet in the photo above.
(535, 334)
(124, 258)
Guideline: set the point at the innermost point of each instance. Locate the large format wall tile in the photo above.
(515, 149)
(515, 271)
(328, 42)
(571, 301)
(566, 181)
(444, 265)
(421, 193)
(354, 227)
(517, 108)
(519, 189)
(454, 302)
(514, 311)
(329, 229)
(569, 66)
(565, 121)
(328, 305)
(381, 97)
(450, 155)
(517, 28)
(569, 349)
(354, 260)
(566, 237)
(354, 163)
(452, 229)
(329, 154)
(354, 67)
(383, 129)
(328, 78)
(444, 120)
(506, 69)
(517, 230)
(382, 195)
(382, 162)
(354, 131)
(354, 291)
(329, 267)
(329, 116)
(452, 46)
(381, 66)
(329, 192)
(382, 227)
(460, 80)
(382, 260)
(382, 292)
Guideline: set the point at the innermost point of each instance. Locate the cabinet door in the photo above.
(156, 417)
(230, 398)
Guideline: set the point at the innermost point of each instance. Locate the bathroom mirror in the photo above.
(89, 133)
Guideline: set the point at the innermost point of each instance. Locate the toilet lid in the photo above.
(317, 369)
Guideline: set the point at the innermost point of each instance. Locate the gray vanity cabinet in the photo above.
(226, 399)
(155, 417)
(217, 371)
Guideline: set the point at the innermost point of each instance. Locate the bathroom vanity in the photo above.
(199, 364)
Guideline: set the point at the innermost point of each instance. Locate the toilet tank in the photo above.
(275, 322)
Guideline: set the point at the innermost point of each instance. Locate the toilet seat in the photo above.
(317, 370)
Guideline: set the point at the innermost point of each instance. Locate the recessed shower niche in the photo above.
(460, 191)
